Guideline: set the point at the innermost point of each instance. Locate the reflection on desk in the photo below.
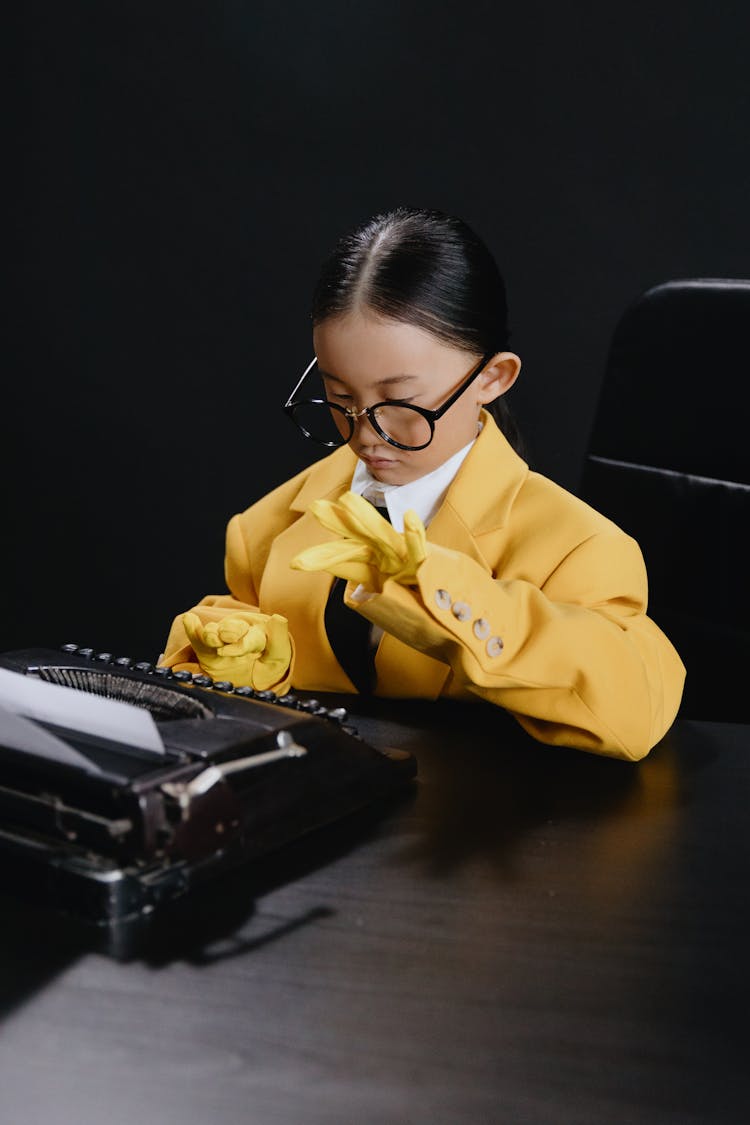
(533, 935)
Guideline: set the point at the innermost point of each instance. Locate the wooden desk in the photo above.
(531, 936)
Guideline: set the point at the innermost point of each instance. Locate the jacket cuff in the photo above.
(442, 615)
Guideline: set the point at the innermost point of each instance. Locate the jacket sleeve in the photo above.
(577, 662)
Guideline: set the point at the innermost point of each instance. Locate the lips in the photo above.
(377, 462)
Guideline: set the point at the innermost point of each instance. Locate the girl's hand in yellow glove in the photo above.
(369, 549)
(251, 650)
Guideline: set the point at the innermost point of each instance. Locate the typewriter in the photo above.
(111, 831)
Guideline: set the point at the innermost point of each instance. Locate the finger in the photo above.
(367, 522)
(361, 575)
(325, 556)
(357, 520)
(232, 629)
(267, 673)
(354, 517)
(193, 628)
(252, 643)
(273, 665)
(202, 637)
(328, 514)
(278, 645)
(251, 617)
(388, 544)
(211, 636)
(353, 570)
(415, 541)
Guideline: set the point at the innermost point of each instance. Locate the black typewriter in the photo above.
(112, 831)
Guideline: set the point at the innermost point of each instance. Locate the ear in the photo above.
(498, 376)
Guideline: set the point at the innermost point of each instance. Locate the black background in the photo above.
(181, 169)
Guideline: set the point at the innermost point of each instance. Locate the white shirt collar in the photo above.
(423, 496)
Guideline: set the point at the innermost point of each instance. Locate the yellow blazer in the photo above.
(530, 600)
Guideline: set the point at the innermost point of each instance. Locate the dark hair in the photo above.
(428, 269)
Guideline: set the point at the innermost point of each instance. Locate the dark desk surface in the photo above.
(532, 935)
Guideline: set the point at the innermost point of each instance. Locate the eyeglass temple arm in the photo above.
(437, 414)
(305, 373)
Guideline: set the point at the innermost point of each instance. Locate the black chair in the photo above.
(668, 461)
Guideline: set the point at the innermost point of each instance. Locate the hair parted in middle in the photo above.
(426, 268)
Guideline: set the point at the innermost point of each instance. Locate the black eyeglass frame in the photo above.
(430, 416)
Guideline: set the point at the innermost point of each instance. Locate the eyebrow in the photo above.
(380, 383)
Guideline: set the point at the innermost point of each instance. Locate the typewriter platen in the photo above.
(241, 774)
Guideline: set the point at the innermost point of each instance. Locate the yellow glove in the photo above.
(369, 550)
(251, 650)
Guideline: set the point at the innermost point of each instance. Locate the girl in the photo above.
(423, 558)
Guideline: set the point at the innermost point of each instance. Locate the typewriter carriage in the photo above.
(240, 778)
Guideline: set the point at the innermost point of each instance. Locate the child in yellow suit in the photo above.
(480, 579)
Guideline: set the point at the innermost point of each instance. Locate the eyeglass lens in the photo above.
(330, 425)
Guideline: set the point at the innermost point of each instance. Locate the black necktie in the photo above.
(349, 636)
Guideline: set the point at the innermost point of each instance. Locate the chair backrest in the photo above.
(669, 461)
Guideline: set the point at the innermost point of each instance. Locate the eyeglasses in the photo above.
(406, 427)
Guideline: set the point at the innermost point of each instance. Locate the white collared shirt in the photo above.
(423, 495)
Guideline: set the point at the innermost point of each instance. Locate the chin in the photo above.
(388, 474)
(396, 475)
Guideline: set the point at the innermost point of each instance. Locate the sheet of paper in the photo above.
(22, 734)
(75, 710)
